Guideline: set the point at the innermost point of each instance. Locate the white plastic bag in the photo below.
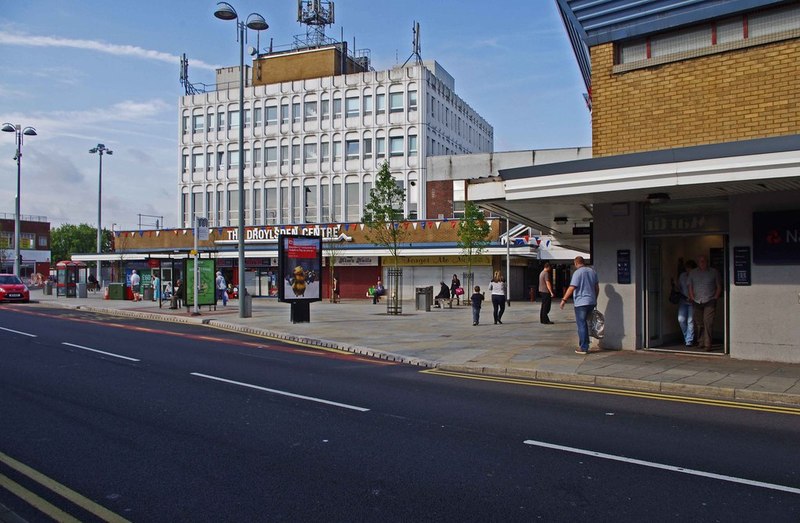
(596, 323)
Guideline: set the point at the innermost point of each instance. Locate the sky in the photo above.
(83, 72)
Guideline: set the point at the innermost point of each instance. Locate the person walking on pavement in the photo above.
(546, 293)
(136, 281)
(476, 299)
(455, 284)
(583, 288)
(222, 289)
(156, 287)
(497, 288)
(704, 290)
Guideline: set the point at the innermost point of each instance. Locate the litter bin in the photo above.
(48, 288)
(424, 298)
(81, 290)
(116, 291)
(148, 294)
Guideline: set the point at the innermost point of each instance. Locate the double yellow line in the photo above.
(45, 506)
(619, 392)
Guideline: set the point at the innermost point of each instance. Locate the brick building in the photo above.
(696, 152)
(34, 247)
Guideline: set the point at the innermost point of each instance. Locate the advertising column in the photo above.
(300, 272)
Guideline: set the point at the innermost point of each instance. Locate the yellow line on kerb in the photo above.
(63, 491)
(618, 392)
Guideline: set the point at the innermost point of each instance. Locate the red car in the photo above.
(12, 289)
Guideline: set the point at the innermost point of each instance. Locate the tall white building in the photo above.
(318, 125)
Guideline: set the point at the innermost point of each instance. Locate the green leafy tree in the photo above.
(383, 215)
(473, 236)
(69, 239)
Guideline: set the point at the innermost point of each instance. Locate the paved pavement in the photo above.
(446, 339)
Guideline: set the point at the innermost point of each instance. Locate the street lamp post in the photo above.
(100, 149)
(19, 133)
(255, 21)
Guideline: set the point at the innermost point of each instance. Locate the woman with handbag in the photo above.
(455, 289)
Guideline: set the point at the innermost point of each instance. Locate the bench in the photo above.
(438, 302)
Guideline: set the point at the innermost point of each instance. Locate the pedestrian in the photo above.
(455, 293)
(546, 293)
(685, 307)
(136, 280)
(156, 287)
(705, 287)
(335, 290)
(497, 288)
(221, 286)
(476, 299)
(583, 288)
(443, 296)
(178, 295)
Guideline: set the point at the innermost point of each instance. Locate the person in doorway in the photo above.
(222, 288)
(546, 293)
(583, 289)
(497, 289)
(705, 287)
(476, 299)
(136, 281)
(455, 284)
(685, 307)
(156, 287)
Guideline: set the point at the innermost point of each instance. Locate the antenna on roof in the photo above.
(315, 14)
(417, 52)
(188, 87)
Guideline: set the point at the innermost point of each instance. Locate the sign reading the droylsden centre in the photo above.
(271, 234)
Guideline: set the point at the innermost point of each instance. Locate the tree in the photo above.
(383, 215)
(69, 239)
(473, 235)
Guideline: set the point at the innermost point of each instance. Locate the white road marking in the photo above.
(282, 393)
(19, 332)
(98, 351)
(672, 468)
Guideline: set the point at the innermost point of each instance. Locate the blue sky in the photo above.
(87, 72)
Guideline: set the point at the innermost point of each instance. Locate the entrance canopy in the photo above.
(558, 198)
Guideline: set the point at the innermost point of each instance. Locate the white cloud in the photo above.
(27, 40)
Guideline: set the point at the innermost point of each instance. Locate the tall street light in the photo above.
(255, 21)
(20, 132)
(100, 149)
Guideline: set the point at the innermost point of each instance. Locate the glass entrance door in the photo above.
(665, 259)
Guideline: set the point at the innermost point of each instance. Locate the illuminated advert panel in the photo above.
(300, 268)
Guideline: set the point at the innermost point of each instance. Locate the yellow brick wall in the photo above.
(736, 95)
(273, 69)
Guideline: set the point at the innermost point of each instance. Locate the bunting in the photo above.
(438, 224)
(415, 225)
(453, 224)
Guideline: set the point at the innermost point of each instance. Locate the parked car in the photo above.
(12, 289)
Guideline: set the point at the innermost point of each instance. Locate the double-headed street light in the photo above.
(255, 21)
(100, 149)
(20, 132)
